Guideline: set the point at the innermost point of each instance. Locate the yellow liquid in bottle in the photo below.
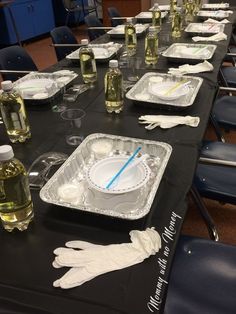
(189, 11)
(176, 25)
(151, 46)
(88, 66)
(130, 39)
(16, 208)
(114, 91)
(156, 19)
(173, 6)
(14, 117)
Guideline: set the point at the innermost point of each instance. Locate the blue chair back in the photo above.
(63, 35)
(113, 12)
(15, 58)
(93, 21)
(202, 278)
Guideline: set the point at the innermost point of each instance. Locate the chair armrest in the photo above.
(231, 54)
(121, 17)
(15, 71)
(100, 27)
(227, 89)
(220, 162)
(66, 45)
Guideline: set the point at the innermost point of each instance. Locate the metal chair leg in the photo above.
(67, 18)
(204, 213)
(217, 129)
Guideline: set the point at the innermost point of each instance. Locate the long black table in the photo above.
(26, 273)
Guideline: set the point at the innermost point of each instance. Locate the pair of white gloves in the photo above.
(166, 122)
(217, 37)
(204, 66)
(93, 260)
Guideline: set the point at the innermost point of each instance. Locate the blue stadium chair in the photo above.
(202, 278)
(15, 58)
(113, 12)
(93, 21)
(63, 36)
(73, 7)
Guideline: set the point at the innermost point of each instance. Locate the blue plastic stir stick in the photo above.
(123, 167)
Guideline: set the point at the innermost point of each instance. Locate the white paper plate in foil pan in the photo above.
(38, 86)
(219, 15)
(102, 52)
(215, 6)
(144, 90)
(146, 17)
(119, 31)
(204, 28)
(181, 52)
(162, 7)
(69, 188)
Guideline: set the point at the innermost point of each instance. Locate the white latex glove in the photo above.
(93, 260)
(166, 122)
(216, 37)
(187, 68)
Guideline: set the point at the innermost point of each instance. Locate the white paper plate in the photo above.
(99, 175)
(192, 51)
(162, 88)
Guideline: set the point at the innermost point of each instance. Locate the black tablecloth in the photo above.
(26, 273)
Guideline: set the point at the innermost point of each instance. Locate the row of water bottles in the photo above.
(16, 207)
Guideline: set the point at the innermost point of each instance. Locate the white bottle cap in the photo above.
(6, 152)
(113, 63)
(84, 42)
(7, 85)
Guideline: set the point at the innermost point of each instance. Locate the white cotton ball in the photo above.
(70, 193)
(101, 148)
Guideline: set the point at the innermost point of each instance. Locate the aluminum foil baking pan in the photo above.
(215, 6)
(110, 50)
(204, 28)
(140, 92)
(219, 15)
(119, 31)
(30, 92)
(165, 7)
(132, 205)
(189, 53)
(146, 17)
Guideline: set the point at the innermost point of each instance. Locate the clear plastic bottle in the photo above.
(87, 63)
(14, 114)
(16, 208)
(189, 11)
(176, 25)
(114, 88)
(173, 7)
(156, 17)
(130, 37)
(151, 46)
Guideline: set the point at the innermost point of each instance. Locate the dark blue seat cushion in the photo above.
(224, 111)
(229, 74)
(219, 150)
(63, 35)
(216, 182)
(202, 279)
